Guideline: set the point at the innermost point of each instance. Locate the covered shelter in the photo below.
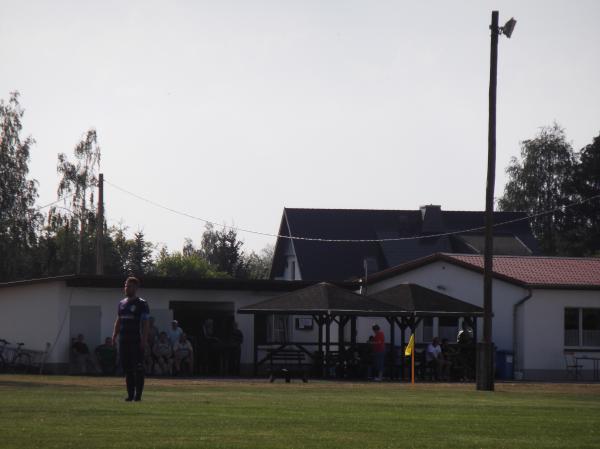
(402, 305)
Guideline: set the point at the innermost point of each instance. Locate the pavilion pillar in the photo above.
(353, 332)
(255, 345)
(341, 340)
(327, 343)
(392, 356)
(402, 326)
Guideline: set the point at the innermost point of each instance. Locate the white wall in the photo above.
(31, 314)
(467, 286)
(158, 300)
(543, 329)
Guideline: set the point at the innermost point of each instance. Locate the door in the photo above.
(85, 320)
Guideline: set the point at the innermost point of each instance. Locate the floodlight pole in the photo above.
(485, 352)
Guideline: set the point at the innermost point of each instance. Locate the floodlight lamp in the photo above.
(508, 27)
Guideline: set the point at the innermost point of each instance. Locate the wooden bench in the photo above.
(285, 362)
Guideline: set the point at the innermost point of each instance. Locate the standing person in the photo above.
(107, 357)
(378, 351)
(174, 332)
(236, 339)
(132, 327)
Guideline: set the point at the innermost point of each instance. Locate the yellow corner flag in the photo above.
(410, 350)
(410, 346)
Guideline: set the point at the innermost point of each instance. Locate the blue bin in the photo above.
(504, 365)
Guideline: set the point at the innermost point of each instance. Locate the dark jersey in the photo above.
(132, 313)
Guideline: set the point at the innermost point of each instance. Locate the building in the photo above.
(54, 310)
(322, 260)
(545, 308)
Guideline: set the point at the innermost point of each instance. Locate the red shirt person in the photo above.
(378, 351)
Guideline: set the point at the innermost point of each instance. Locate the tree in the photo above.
(258, 266)
(222, 249)
(139, 261)
(76, 188)
(19, 220)
(541, 181)
(179, 265)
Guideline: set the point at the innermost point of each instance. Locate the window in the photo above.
(571, 327)
(590, 319)
(278, 328)
(582, 327)
(448, 328)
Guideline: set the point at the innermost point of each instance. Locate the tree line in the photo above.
(63, 240)
(548, 176)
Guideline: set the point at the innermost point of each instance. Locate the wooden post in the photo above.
(255, 345)
(485, 376)
(412, 364)
(327, 343)
(100, 227)
(402, 326)
(392, 357)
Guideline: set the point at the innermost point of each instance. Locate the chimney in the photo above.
(431, 219)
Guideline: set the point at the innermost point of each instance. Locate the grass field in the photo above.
(77, 412)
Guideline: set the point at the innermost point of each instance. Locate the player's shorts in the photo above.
(131, 354)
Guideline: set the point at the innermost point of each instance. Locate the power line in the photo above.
(54, 202)
(315, 239)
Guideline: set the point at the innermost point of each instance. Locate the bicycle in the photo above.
(20, 362)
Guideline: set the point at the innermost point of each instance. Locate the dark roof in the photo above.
(407, 299)
(171, 283)
(423, 301)
(318, 299)
(339, 261)
(526, 271)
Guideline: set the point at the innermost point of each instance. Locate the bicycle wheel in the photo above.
(22, 363)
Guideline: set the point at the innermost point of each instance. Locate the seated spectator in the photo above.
(163, 353)
(106, 354)
(83, 360)
(448, 354)
(184, 354)
(435, 359)
(152, 332)
(148, 360)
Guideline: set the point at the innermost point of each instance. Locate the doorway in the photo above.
(208, 326)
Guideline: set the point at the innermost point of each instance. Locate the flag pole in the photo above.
(412, 363)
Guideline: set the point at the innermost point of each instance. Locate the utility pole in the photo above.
(485, 350)
(100, 227)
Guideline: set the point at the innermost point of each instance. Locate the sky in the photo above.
(233, 110)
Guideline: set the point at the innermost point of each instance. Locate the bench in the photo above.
(285, 362)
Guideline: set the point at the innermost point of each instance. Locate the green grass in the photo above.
(75, 412)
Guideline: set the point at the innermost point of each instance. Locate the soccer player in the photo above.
(132, 326)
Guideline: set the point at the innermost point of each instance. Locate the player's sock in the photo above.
(139, 383)
(130, 382)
